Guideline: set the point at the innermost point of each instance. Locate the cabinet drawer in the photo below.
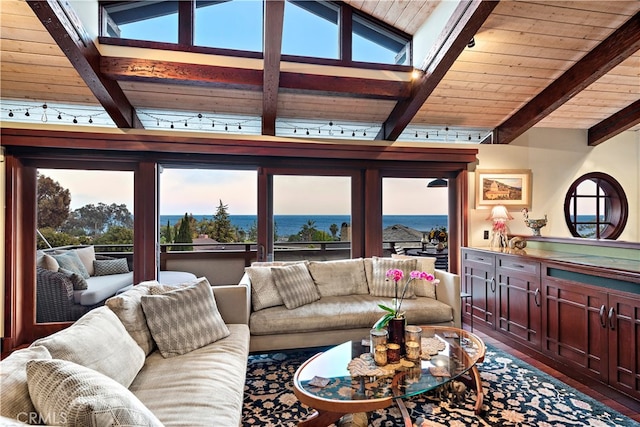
(512, 264)
(478, 258)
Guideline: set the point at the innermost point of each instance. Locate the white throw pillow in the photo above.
(65, 393)
(99, 341)
(15, 401)
(295, 285)
(184, 319)
(87, 256)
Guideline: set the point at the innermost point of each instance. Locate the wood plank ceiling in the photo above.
(560, 64)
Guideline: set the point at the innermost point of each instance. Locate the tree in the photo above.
(53, 202)
(55, 238)
(95, 220)
(184, 234)
(167, 235)
(333, 228)
(115, 235)
(223, 231)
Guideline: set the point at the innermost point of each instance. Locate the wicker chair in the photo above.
(54, 298)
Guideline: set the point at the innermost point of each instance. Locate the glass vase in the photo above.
(396, 332)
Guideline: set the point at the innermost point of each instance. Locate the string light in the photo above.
(161, 119)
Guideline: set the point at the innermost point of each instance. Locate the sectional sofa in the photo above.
(319, 303)
(154, 355)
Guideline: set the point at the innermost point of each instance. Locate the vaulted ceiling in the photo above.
(558, 64)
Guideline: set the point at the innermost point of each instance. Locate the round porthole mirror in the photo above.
(595, 207)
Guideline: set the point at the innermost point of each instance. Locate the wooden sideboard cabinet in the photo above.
(586, 318)
(505, 294)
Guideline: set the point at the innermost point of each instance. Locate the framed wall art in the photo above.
(507, 187)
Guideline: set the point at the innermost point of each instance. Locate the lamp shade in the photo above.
(499, 213)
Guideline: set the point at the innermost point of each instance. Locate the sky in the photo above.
(199, 192)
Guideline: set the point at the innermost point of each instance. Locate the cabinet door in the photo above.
(518, 299)
(479, 281)
(574, 325)
(623, 321)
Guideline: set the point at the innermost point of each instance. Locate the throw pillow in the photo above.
(295, 285)
(66, 393)
(264, 293)
(47, 262)
(107, 267)
(79, 284)
(15, 402)
(128, 308)
(184, 319)
(99, 341)
(71, 261)
(381, 286)
(422, 288)
(340, 277)
(87, 255)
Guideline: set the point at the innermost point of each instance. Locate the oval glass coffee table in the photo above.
(325, 383)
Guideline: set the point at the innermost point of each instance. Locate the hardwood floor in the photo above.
(628, 407)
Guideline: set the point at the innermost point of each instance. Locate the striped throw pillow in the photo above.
(295, 285)
(185, 319)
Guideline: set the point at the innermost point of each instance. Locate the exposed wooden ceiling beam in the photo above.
(67, 30)
(461, 27)
(620, 45)
(133, 69)
(273, 22)
(617, 123)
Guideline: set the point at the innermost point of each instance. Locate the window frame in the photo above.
(186, 18)
(609, 190)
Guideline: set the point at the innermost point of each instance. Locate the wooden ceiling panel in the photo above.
(520, 49)
(303, 106)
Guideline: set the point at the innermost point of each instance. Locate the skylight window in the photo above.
(372, 43)
(310, 29)
(235, 24)
(152, 21)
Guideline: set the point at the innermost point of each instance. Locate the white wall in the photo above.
(428, 33)
(557, 157)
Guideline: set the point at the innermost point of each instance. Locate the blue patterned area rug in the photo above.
(516, 394)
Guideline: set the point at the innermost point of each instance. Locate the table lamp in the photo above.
(499, 215)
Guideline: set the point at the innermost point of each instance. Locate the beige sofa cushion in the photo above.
(264, 293)
(295, 285)
(422, 288)
(15, 402)
(184, 319)
(47, 262)
(382, 286)
(340, 277)
(344, 312)
(201, 388)
(99, 341)
(66, 393)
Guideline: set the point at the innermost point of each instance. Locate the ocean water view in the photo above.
(287, 225)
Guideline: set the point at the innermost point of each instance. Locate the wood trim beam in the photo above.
(138, 144)
(620, 45)
(186, 19)
(346, 33)
(67, 30)
(461, 27)
(273, 23)
(131, 69)
(615, 124)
